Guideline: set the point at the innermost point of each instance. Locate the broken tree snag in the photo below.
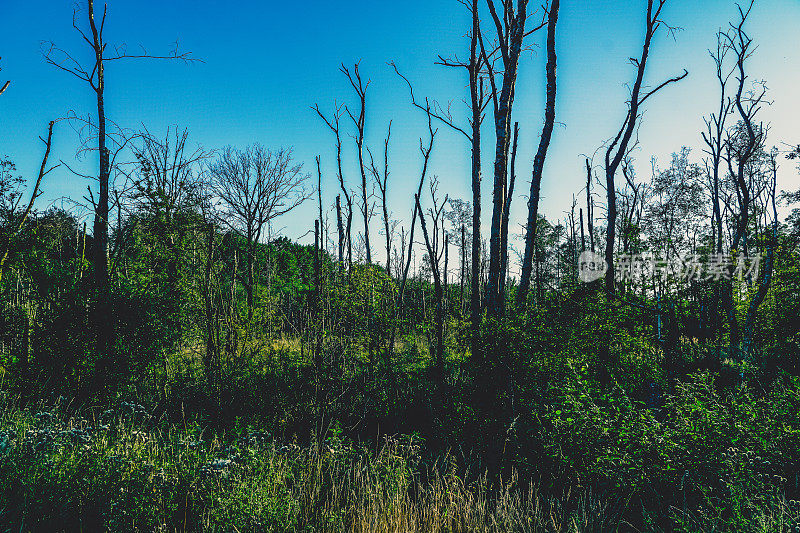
(589, 205)
(339, 229)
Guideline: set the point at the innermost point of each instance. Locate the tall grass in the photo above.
(120, 470)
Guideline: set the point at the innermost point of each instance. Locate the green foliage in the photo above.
(629, 410)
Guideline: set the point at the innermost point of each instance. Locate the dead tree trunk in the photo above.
(510, 34)
(446, 257)
(319, 326)
(210, 358)
(477, 106)
(386, 222)
(583, 234)
(747, 107)
(589, 205)
(478, 102)
(333, 125)
(541, 154)
(438, 351)
(359, 122)
(618, 148)
(507, 213)
(340, 229)
(463, 270)
(383, 182)
(426, 154)
(94, 75)
(322, 241)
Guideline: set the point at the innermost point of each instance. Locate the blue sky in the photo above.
(265, 64)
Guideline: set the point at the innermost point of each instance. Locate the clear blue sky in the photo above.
(266, 62)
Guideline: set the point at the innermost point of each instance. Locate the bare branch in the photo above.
(444, 118)
(664, 84)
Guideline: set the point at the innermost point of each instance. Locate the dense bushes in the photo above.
(582, 411)
(709, 460)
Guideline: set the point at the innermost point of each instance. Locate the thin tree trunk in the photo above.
(102, 311)
(211, 349)
(463, 271)
(541, 154)
(502, 146)
(408, 258)
(438, 351)
(583, 234)
(477, 117)
(386, 222)
(444, 274)
(251, 250)
(319, 198)
(589, 205)
(618, 148)
(340, 229)
(23, 217)
(318, 315)
(507, 214)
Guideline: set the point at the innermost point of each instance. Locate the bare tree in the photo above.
(714, 138)
(478, 102)
(359, 121)
(254, 186)
(742, 145)
(167, 186)
(94, 75)
(432, 245)
(510, 28)
(541, 154)
(618, 148)
(389, 225)
(340, 228)
(406, 256)
(333, 124)
(322, 241)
